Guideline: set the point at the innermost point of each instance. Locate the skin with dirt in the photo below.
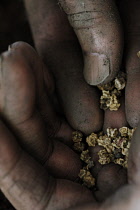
(108, 171)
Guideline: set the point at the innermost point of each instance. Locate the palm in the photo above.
(27, 123)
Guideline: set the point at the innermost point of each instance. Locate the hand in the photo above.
(28, 156)
(58, 46)
(101, 37)
(54, 38)
(98, 28)
(26, 107)
(23, 178)
(75, 88)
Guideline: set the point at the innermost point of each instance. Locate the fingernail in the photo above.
(9, 47)
(97, 68)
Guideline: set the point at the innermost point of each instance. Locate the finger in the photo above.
(109, 177)
(132, 99)
(131, 18)
(115, 119)
(56, 127)
(28, 185)
(58, 47)
(133, 163)
(17, 102)
(98, 29)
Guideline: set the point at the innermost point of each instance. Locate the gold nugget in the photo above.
(115, 144)
(85, 156)
(79, 146)
(111, 93)
(87, 178)
(77, 136)
(92, 139)
(104, 157)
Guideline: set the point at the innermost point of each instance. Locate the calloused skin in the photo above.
(27, 125)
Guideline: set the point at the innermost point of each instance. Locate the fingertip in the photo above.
(96, 68)
(101, 68)
(82, 110)
(133, 118)
(64, 162)
(100, 36)
(89, 122)
(20, 45)
(65, 133)
(20, 51)
(25, 51)
(111, 178)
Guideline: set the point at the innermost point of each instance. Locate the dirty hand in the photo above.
(98, 26)
(29, 159)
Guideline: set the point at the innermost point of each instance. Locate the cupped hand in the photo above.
(26, 107)
(99, 31)
(57, 44)
(24, 178)
(34, 166)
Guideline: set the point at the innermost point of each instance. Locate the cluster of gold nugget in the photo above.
(115, 143)
(111, 93)
(85, 174)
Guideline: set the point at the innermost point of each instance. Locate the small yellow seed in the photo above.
(85, 156)
(92, 140)
(79, 146)
(111, 93)
(77, 136)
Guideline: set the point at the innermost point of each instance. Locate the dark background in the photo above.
(13, 23)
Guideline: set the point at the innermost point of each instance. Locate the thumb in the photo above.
(98, 29)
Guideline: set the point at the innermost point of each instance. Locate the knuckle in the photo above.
(84, 19)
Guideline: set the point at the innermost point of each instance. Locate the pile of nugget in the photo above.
(111, 93)
(115, 147)
(115, 143)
